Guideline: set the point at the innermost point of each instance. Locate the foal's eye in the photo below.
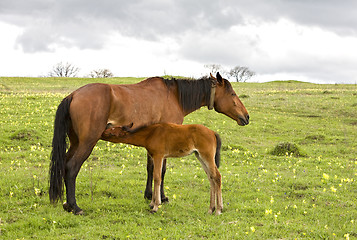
(233, 94)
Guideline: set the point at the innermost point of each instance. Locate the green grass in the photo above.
(265, 196)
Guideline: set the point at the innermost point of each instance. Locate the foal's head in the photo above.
(227, 102)
(117, 131)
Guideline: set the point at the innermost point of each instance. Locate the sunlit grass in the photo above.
(265, 196)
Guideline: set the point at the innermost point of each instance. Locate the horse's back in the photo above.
(144, 103)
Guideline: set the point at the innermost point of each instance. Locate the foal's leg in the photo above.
(150, 169)
(156, 198)
(218, 191)
(212, 205)
(214, 177)
(207, 170)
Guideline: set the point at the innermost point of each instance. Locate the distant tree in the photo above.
(241, 74)
(64, 70)
(101, 73)
(213, 68)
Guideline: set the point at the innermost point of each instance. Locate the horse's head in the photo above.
(227, 102)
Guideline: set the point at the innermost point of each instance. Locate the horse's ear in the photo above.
(213, 77)
(219, 78)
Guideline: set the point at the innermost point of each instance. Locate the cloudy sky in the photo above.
(303, 40)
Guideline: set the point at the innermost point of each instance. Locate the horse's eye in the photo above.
(233, 94)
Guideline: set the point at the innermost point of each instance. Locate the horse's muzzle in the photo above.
(242, 121)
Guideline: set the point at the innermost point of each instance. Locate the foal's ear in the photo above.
(127, 126)
(219, 78)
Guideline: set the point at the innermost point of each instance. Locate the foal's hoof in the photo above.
(211, 210)
(154, 209)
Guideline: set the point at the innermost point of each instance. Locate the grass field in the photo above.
(307, 194)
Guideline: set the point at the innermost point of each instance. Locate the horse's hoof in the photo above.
(67, 208)
(164, 199)
(80, 212)
(148, 195)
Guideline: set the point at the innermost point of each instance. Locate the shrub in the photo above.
(287, 148)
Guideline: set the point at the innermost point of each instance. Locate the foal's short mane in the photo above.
(134, 130)
(192, 92)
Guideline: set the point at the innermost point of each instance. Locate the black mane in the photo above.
(191, 92)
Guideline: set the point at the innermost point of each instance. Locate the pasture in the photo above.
(307, 194)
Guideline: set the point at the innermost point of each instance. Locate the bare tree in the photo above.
(101, 73)
(64, 70)
(241, 74)
(213, 68)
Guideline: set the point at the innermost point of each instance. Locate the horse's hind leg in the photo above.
(73, 165)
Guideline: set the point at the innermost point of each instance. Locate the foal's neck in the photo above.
(137, 138)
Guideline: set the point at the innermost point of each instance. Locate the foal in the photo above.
(166, 140)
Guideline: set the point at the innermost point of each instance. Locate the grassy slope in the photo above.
(265, 196)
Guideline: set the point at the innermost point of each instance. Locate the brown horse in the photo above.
(165, 140)
(84, 114)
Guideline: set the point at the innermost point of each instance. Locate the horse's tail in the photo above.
(59, 145)
(217, 157)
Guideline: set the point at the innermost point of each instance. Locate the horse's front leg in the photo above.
(156, 198)
(163, 171)
(150, 169)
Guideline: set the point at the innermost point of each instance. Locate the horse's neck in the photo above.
(188, 112)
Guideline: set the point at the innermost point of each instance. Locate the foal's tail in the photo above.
(217, 157)
(59, 145)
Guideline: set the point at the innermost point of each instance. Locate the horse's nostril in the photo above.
(244, 120)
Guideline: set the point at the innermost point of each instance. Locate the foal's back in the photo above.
(172, 140)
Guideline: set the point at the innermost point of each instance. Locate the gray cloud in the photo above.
(85, 23)
(202, 29)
